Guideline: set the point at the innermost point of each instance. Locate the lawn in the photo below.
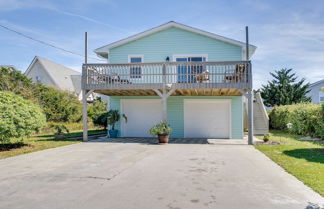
(41, 142)
(303, 159)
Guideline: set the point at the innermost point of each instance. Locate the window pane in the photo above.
(181, 59)
(321, 99)
(135, 59)
(196, 59)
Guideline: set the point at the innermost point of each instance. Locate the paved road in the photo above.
(146, 176)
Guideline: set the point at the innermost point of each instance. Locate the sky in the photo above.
(288, 34)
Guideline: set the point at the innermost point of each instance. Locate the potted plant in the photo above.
(112, 118)
(162, 130)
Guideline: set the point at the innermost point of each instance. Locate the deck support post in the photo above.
(85, 95)
(85, 115)
(164, 96)
(250, 113)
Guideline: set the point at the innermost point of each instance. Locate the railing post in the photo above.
(164, 75)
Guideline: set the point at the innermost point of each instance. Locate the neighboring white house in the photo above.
(52, 74)
(317, 91)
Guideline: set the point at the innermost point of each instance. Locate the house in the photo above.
(317, 92)
(52, 74)
(195, 80)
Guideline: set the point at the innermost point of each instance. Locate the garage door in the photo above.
(141, 116)
(207, 118)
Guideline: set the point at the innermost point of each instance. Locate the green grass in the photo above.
(303, 159)
(41, 142)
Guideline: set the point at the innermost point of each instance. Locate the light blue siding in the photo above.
(176, 113)
(158, 46)
(114, 104)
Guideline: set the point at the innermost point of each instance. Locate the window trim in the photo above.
(175, 56)
(130, 56)
(320, 94)
(135, 56)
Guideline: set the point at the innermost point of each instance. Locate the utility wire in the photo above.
(45, 43)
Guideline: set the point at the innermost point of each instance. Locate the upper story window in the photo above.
(136, 72)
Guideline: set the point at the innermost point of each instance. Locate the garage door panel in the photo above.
(207, 118)
(141, 116)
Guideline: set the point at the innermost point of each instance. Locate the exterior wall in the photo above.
(315, 92)
(38, 70)
(166, 43)
(176, 112)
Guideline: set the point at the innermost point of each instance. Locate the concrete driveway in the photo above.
(146, 176)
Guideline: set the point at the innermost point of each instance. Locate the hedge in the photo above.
(18, 117)
(305, 118)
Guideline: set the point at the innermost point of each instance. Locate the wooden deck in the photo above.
(187, 78)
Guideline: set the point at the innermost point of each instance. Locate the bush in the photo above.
(266, 137)
(101, 119)
(59, 106)
(161, 128)
(305, 119)
(18, 117)
(97, 107)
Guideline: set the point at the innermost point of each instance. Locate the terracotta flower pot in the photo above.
(163, 139)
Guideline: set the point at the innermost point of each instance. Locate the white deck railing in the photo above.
(182, 75)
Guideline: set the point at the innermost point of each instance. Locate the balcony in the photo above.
(187, 78)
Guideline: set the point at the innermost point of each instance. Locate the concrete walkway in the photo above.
(119, 175)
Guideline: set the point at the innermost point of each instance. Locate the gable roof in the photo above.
(104, 50)
(63, 77)
(317, 82)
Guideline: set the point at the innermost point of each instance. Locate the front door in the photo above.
(186, 74)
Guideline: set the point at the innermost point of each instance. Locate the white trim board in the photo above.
(104, 50)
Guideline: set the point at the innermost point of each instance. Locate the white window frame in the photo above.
(129, 61)
(175, 56)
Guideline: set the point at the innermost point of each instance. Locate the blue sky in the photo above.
(288, 34)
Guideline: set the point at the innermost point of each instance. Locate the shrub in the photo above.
(18, 117)
(14, 81)
(305, 119)
(161, 128)
(101, 120)
(59, 106)
(266, 137)
(97, 107)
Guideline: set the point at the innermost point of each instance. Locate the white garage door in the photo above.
(207, 118)
(141, 115)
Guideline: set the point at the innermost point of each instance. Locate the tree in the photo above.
(18, 117)
(284, 89)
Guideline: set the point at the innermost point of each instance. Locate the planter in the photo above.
(113, 133)
(163, 139)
